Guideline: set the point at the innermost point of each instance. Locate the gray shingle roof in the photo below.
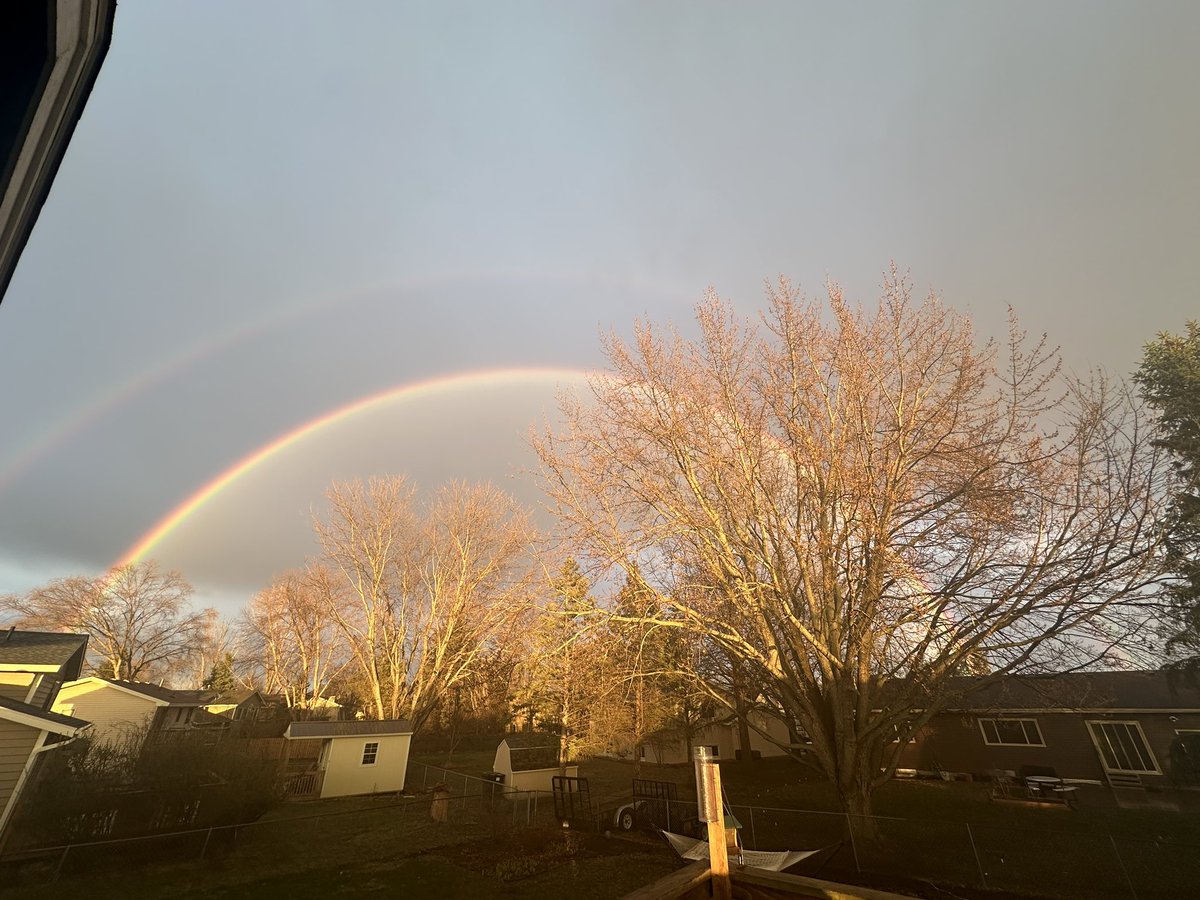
(51, 718)
(39, 648)
(1066, 691)
(320, 729)
(158, 692)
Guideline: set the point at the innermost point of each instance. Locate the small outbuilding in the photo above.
(355, 757)
(529, 762)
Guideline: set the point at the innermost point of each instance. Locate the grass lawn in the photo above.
(368, 847)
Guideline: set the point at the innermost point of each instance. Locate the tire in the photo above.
(625, 820)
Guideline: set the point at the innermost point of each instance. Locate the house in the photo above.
(118, 709)
(1122, 728)
(529, 762)
(355, 757)
(32, 666)
(723, 739)
(245, 704)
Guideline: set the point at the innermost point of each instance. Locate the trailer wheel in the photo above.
(625, 820)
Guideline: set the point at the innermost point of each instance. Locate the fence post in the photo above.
(58, 869)
(853, 844)
(753, 836)
(207, 838)
(978, 861)
(424, 776)
(1124, 871)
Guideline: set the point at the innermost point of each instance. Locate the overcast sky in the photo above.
(271, 210)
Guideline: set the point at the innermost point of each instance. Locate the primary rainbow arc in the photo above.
(411, 391)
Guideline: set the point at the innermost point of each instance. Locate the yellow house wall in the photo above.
(15, 685)
(345, 775)
(16, 743)
(114, 713)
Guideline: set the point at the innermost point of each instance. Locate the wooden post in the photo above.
(439, 809)
(712, 812)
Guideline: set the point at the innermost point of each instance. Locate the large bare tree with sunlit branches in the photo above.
(858, 505)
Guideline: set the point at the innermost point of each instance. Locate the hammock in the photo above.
(690, 848)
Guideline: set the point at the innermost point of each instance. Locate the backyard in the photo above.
(947, 832)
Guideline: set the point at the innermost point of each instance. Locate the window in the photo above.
(1123, 748)
(1011, 733)
(370, 753)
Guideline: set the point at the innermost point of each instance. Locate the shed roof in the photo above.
(532, 751)
(323, 729)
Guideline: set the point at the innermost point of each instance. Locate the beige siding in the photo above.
(502, 762)
(16, 743)
(15, 685)
(114, 713)
(345, 774)
(538, 779)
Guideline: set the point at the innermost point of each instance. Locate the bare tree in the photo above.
(138, 619)
(295, 646)
(428, 587)
(858, 506)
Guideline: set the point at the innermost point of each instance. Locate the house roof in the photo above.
(1068, 691)
(164, 694)
(321, 729)
(531, 751)
(36, 717)
(38, 649)
(235, 698)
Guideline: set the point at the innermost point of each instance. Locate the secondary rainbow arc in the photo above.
(411, 391)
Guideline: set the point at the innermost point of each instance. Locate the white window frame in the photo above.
(374, 754)
(993, 719)
(1157, 770)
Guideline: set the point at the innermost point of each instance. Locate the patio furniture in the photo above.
(1004, 784)
(1068, 793)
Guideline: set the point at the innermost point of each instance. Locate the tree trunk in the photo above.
(743, 717)
(854, 794)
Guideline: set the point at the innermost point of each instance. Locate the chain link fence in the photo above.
(1032, 863)
(444, 808)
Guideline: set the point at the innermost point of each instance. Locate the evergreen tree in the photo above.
(221, 678)
(1169, 378)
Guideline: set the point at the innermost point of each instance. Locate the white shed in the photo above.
(356, 757)
(529, 762)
